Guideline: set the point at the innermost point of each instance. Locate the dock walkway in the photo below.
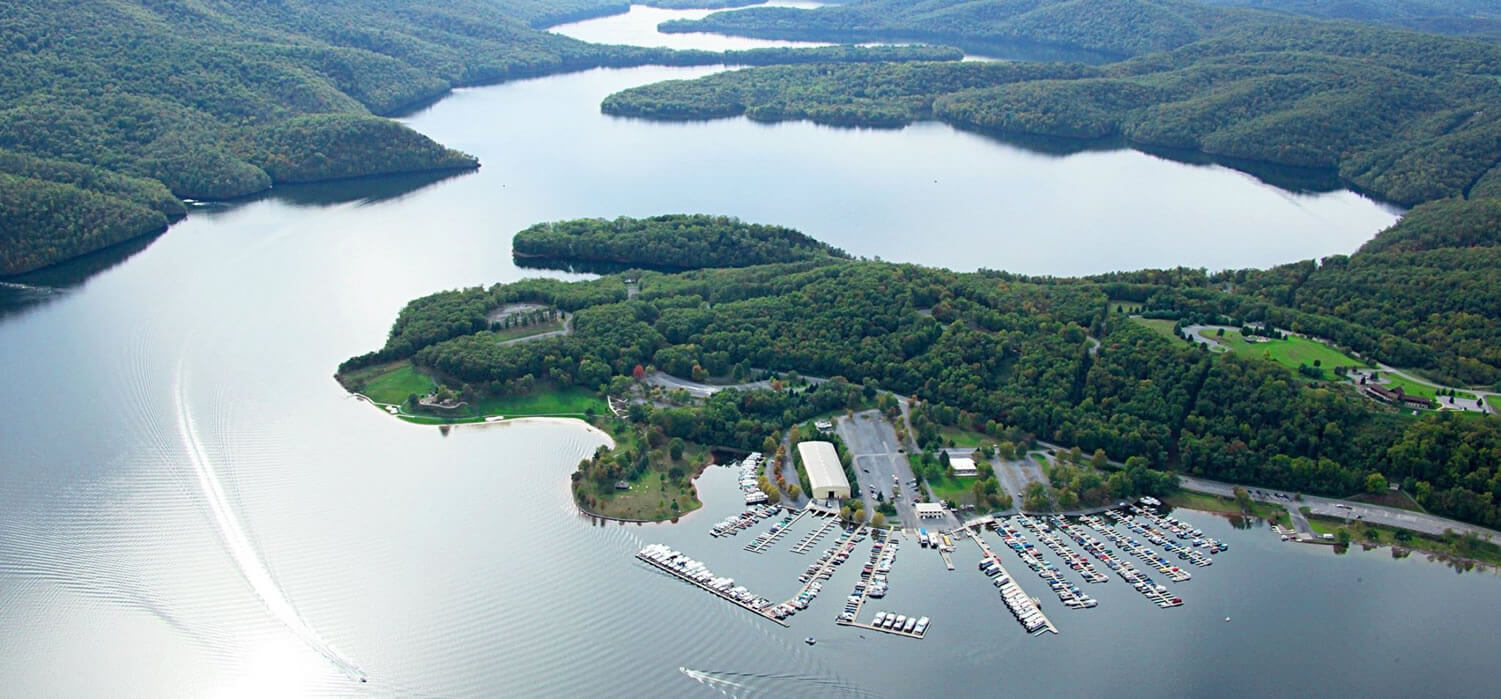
(680, 575)
(812, 538)
(764, 540)
(1022, 607)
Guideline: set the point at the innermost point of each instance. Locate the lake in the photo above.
(190, 505)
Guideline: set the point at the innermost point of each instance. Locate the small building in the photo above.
(622, 485)
(825, 473)
(824, 426)
(964, 467)
(930, 510)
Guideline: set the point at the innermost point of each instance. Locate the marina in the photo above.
(1068, 593)
(1142, 583)
(733, 525)
(1136, 548)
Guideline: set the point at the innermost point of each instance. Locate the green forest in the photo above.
(1405, 116)
(214, 99)
(998, 354)
(680, 241)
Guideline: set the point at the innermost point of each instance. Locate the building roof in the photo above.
(963, 465)
(928, 508)
(822, 464)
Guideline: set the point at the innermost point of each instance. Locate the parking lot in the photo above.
(877, 458)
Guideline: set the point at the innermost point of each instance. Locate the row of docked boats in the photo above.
(1182, 530)
(818, 573)
(750, 485)
(890, 621)
(882, 552)
(1076, 561)
(1022, 607)
(735, 524)
(695, 572)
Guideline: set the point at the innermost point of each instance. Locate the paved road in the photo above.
(872, 442)
(567, 330)
(704, 390)
(1193, 332)
(1391, 516)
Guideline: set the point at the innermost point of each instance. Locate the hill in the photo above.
(680, 241)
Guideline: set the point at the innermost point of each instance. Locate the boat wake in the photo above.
(237, 541)
(739, 684)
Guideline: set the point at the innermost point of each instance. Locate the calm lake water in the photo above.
(189, 505)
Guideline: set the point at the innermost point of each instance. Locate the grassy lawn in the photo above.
(543, 402)
(1391, 498)
(955, 437)
(388, 383)
(1291, 353)
(1214, 503)
(1126, 306)
(956, 490)
(1413, 388)
(1161, 326)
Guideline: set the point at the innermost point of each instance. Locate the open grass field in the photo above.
(572, 401)
(389, 383)
(1125, 306)
(955, 437)
(1291, 353)
(1161, 326)
(955, 490)
(1213, 503)
(1413, 388)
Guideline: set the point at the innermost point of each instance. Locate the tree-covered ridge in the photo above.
(78, 221)
(1464, 17)
(219, 99)
(332, 146)
(683, 241)
(1006, 356)
(1405, 116)
(853, 95)
(1119, 27)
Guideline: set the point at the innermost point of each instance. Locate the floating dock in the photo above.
(764, 540)
(1070, 595)
(1024, 608)
(812, 538)
(1138, 580)
(1138, 549)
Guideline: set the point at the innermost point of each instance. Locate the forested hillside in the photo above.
(1116, 27)
(1010, 357)
(221, 98)
(1405, 116)
(681, 241)
(1464, 17)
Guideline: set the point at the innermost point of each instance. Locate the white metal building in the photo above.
(825, 473)
(963, 466)
(927, 510)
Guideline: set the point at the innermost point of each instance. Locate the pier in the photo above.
(695, 574)
(1078, 562)
(812, 538)
(764, 540)
(1024, 608)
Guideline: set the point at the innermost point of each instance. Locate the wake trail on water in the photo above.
(741, 683)
(237, 541)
